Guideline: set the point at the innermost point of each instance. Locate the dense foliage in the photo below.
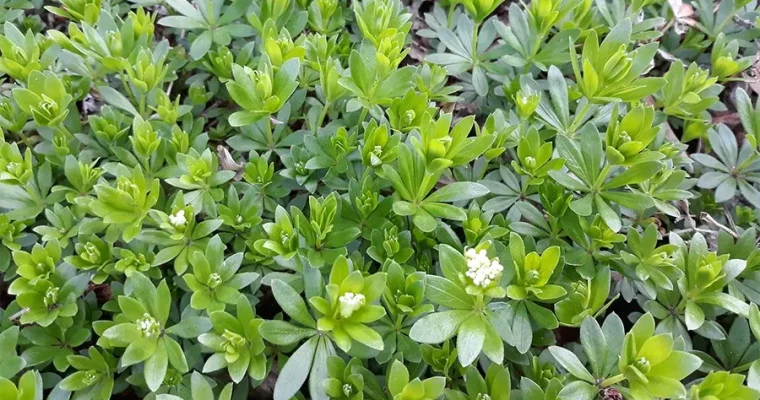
(370, 199)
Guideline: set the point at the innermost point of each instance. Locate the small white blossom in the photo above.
(178, 219)
(148, 326)
(349, 303)
(481, 269)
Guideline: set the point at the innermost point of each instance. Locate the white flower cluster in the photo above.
(481, 269)
(350, 302)
(178, 219)
(148, 326)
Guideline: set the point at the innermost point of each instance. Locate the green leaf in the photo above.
(363, 334)
(636, 174)
(444, 292)
(10, 362)
(594, 344)
(176, 355)
(437, 327)
(201, 45)
(116, 99)
(578, 390)
(569, 361)
(458, 191)
(398, 377)
(200, 388)
(181, 22)
(284, 333)
(292, 303)
(155, 367)
(726, 301)
(470, 338)
(190, 327)
(753, 375)
(521, 328)
(452, 261)
(296, 370)
(695, 317)
(186, 9)
(754, 320)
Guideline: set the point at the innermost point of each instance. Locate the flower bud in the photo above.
(526, 104)
(642, 364)
(142, 22)
(114, 43)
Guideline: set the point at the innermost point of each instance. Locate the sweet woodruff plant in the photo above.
(379, 199)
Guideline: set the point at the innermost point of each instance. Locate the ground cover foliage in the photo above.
(376, 199)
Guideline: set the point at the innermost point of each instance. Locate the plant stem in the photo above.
(425, 186)
(579, 116)
(268, 130)
(362, 117)
(25, 139)
(399, 321)
(602, 176)
(65, 131)
(322, 115)
(475, 30)
(612, 380)
(128, 88)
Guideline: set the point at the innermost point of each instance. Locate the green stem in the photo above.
(25, 139)
(602, 176)
(681, 305)
(141, 106)
(322, 116)
(399, 321)
(65, 131)
(475, 30)
(579, 117)
(425, 186)
(363, 116)
(479, 303)
(268, 130)
(612, 380)
(127, 87)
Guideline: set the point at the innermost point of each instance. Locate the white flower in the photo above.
(482, 270)
(178, 219)
(148, 326)
(349, 303)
